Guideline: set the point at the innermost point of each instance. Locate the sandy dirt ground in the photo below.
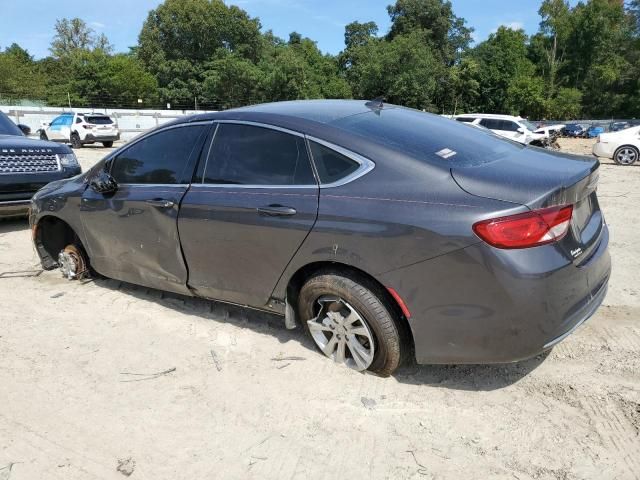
(228, 393)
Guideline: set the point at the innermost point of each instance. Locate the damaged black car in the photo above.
(26, 165)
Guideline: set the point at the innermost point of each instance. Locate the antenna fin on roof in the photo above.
(376, 103)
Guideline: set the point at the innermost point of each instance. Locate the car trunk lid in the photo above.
(539, 179)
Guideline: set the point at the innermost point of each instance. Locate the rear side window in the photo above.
(331, 165)
(159, 158)
(491, 124)
(250, 155)
(465, 120)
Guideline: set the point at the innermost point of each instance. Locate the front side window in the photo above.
(250, 155)
(331, 165)
(159, 158)
(56, 121)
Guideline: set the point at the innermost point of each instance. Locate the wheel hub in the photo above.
(342, 334)
(71, 262)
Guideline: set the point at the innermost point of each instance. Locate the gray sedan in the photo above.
(383, 231)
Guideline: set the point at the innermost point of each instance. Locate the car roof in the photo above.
(489, 115)
(319, 111)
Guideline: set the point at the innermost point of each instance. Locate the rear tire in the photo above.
(626, 155)
(107, 144)
(327, 302)
(75, 140)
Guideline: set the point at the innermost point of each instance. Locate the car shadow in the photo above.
(454, 377)
(242, 317)
(468, 377)
(9, 225)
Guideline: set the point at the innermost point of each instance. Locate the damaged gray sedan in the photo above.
(385, 232)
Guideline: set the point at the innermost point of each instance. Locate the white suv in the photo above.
(513, 128)
(80, 129)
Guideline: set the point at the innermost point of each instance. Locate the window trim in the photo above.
(365, 167)
(114, 157)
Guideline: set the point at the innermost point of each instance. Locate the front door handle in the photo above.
(277, 211)
(161, 202)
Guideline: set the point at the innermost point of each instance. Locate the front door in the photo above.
(132, 234)
(256, 202)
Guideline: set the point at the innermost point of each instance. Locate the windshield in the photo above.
(7, 127)
(429, 137)
(529, 125)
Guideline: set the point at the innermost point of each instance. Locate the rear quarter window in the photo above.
(429, 137)
(331, 165)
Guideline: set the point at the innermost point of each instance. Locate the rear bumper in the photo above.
(484, 305)
(91, 138)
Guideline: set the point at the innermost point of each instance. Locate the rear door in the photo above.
(132, 234)
(252, 205)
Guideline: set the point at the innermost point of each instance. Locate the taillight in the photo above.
(525, 230)
(88, 127)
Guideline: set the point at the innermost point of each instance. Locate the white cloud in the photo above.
(97, 25)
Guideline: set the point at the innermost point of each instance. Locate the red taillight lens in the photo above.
(526, 229)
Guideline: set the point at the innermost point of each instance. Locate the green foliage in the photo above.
(583, 61)
(75, 35)
(503, 61)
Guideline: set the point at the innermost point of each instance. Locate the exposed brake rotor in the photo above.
(72, 263)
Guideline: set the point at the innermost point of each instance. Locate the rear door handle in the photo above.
(277, 211)
(161, 202)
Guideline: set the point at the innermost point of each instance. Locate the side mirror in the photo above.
(520, 130)
(26, 129)
(103, 183)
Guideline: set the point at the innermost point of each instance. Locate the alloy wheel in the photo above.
(626, 156)
(342, 334)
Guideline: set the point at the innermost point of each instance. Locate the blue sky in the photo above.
(30, 23)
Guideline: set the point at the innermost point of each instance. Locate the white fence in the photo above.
(129, 122)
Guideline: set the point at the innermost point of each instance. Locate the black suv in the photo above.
(26, 165)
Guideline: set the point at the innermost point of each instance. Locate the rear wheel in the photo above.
(107, 144)
(626, 155)
(351, 323)
(75, 140)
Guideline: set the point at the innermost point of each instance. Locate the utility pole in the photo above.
(195, 103)
(69, 99)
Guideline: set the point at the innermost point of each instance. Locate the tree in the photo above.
(180, 37)
(75, 35)
(502, 60)
(555, 29)
(232, 81)
(447, 33)
(20, 78)
(357, 34)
